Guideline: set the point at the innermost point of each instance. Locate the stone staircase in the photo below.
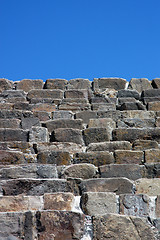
(80, 159)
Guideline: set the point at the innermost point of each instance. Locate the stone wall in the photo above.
(80, 159)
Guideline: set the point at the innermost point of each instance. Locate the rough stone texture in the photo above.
(45, 93)
(63, 123)
(5, 84)
(152, 170)
(86, 115)
(55, 84)
(140, 114)
(11, 157)
(113, 83)
(74, 94)
(139, 84)
(125, 93)
(153, 106)
(94, 135)
(109, 146)
(42, 115)
(97, 158)
(79, 83)
(12, 94)
(44, 107)
(150, 187)
(74, 107)
(132, 106)
(62, 114)
(156, 83)
(114, 226)
(103, 106)
(130, 171)
(144, 144)
(58, 201)
(67, 135)
(28, 84)
(29, 122)
(152, 155)
(114, 114)
(128, 156)
(135, 123)
(93, 203)
(83, 170)
(116, 185)
(150, 93)
(38, 134)
(54, 157)
(9, 134)
(10, 123)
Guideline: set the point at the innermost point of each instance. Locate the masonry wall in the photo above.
(80, 159)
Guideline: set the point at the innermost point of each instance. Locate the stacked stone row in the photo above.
(97, 142)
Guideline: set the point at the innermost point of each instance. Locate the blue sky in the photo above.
(41, 39)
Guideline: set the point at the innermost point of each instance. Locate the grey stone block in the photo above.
(29, 84)
(9, 134)
(94, 135)
(139, 84)
(45, 93)
(38, 134)
(55, 84)
(79, 83)
(113, 83)
(62, 114)
(54, 157)
(109, 146)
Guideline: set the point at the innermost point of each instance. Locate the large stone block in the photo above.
(9, 134)
(29, 122)
(86, 115)
(128, 93)
(131, 106)
(128, 156)
(113, 83)
(10, 123)
(103, 106)
(157, 201)
(42, 115)
(156, 83)
(63, 123)
(97, 158)
(135, 123)
(74, 94)
(109, 146)
(48, 107)
(74, 107)
(22, 106)
(94, 135)
(62, 114)
(29, 84)
(114, 114)
(152, 155)
(130, 171)
(79, 83)
(153, 106)
(152, 170)
(54, 157)
(45, 93)
(67, 135)
(114, 226)
(11, 157)
(144, 144)
(81, 170)
(116, 185)
(150, 187)
(139, 84)
(55, 84)
(5, 84)
(93, 203)
(150, 93)
(6, 106)
(13, 94)
(38, 134)
(140, 114)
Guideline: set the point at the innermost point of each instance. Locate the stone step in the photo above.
(45, 93)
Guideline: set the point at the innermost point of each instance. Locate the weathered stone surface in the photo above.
(124, 100)
(10, 123)
(45, 93)
(152, 170)
(33, 187)
(150, 93)
(86, 115)
(79, 83)
(11, 157)
(140, 114)
(28, 84)
(42, 115)
(62, 114)
(135, 205)
(24, 147)
(22, 106)
(59, 225)
(114, 83)
(29, 122)
(139, 84)
(20, 203)
(102, 123)
(93, 203)
(74, 100)
(158, 206)
(63, 123)
(132, 134)
(132, 106)
(9, 134)
(157, 123)
(117, 185)
(153, 106)
(55, 84)
(74, 107)
(94, 135)
(97, 158)
(100, 99)
(38, 134)
(109, 146)
(135, 123)
(82, 170)
(74, 94)
(67, 135)
(125, 93)
(128, 156)
(144, 144)
(115, 114)
(44, 100)
(12, 94)
(103, 106)
(150, 187)
(58, 201)
(156, 83)
(5, 84)
(113, 226)
(130, 171)
(9, 114)
(6, 106)
(152, 155)
(54, 157)
(48, 107)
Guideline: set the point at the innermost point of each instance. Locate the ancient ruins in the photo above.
(80, 159)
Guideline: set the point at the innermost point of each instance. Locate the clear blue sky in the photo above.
(42, 39)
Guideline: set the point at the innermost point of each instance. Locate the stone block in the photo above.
(157, 123)
(42, 115)
(113, 83)
(63, 123)
(9, 114)
(132, 106)
(150, 187)
(74, 93)
(124, 100)
(29, 122)
(81, 170)
(128, 156)
(146, 100)
(152, 170)
(115, 114)
(135, 123)
(152, 155)
(93, 203)
(156, 83)
(67, 135)
(29, 84)
(117, 185)
(103, 106)
(24, 147)
(58, 201)
(62, 114)
(135, 205)
(130, 171)
(144, 144)
(45, 93)
(109, 146)
(86, 116)
(48, 107)
(54, 157)
(97, 158)
(140, 114)
(10, 123)
(100, 99)
(128, 93)
(5, 84)
(74, 100)
(74, 107)
(140, 84)
(38, 134)
(11, 157)
(9, 134)
(22, 106)
(79, 83)
(44, 100)
(132, 134)
(13, 94)
(6, 106)
(94, 135)
(55, 84)
(113, 226)
(32, 187)
(153, 106)
(150, 93)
